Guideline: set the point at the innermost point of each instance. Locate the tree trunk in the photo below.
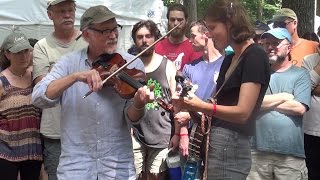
(192, 9)
(260, 9)
(305, 13)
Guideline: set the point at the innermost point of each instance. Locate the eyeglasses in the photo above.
(273, 44)
(107, 31)
(281, 24)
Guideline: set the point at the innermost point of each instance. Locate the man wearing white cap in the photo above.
(278, 149)
(64, 39)
(95, 137)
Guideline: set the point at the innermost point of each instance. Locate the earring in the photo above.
(205, 51)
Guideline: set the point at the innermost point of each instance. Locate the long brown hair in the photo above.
(232, 12)
(4, 61)
(150, 25)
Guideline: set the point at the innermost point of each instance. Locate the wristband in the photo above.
(214, 110)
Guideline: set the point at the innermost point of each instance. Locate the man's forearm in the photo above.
(273, 100)
(135, 113)
(57, 87)
(291, 107)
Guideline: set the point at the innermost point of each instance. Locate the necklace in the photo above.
(18, 75)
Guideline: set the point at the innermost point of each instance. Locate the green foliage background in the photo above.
(257, 9)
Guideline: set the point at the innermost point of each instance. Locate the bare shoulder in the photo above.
(156, 56)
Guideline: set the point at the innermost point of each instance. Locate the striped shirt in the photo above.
(19, 124)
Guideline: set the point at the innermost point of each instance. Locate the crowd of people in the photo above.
(254, 109)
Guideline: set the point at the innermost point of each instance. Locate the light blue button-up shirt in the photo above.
(95, 138)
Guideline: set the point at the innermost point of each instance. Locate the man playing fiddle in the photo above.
(95, 140)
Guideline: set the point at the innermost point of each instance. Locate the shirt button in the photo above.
(98, 122)
(98, 104)
(98, 159)
(98, 141)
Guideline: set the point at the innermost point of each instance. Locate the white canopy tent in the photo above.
(30, 16)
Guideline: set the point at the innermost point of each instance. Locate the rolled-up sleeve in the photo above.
(309, 62)
(127, 105)
(39, 97)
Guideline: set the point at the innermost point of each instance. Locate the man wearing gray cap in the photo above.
(95, 138)
(278, 149)
(287, 18)
(64, 39)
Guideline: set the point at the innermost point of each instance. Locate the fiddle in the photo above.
(127, 81)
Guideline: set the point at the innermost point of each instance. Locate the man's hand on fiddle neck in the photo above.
(143, 96)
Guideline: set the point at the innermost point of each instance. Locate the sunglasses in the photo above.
(281, 24)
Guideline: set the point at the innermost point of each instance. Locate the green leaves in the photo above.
(257, 9)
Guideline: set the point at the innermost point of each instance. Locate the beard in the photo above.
(178, 32)
(149, 52)
(276, 59)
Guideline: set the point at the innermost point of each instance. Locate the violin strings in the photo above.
(128, 79)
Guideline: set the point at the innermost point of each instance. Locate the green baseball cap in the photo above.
(16, 42)
(94, 15)
(54, 2)
(284, 14)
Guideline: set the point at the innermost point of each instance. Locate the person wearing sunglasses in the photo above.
(277, 147)
(287, 18)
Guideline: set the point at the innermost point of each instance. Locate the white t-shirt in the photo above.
(311, 118)
(46, 53)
